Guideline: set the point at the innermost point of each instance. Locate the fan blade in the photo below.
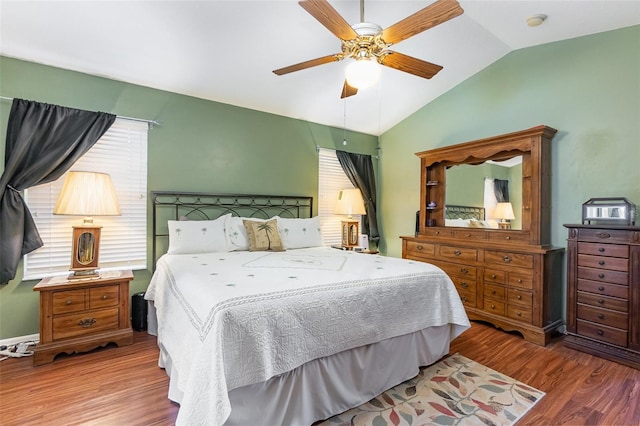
(330, 18)
(432, 15)
(348, 90)
(410, 64)
(307, 64)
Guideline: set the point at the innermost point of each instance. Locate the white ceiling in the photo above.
(225, 50)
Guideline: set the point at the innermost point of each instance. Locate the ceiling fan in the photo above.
(367, 42)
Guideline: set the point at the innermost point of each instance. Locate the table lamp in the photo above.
(86, 194)
(350, 203)
(504, 212)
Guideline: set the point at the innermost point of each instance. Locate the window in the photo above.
(122, 153)
(331, 180)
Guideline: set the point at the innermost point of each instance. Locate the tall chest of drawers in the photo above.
(603, 292)
(514, 287)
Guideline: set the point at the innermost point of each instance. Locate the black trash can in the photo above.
(138, 312)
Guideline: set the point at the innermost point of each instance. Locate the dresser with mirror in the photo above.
(504, 267)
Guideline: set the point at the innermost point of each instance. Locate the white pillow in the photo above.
(236, 233)
(300, 233)
(197, 236)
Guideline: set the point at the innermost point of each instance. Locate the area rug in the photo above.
(454, 391)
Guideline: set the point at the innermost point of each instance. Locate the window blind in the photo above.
(331, 180)
(122, 153)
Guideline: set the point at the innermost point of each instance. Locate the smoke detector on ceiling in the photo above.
(535, 20)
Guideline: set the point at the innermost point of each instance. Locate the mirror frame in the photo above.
(534, 146)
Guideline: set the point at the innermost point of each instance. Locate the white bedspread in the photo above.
(233, 319)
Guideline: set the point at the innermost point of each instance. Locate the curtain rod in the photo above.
(144, 120)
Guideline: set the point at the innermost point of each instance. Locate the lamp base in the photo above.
(350, 233)
(504, 225)
(83, 274)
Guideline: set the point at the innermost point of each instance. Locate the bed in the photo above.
(467, 217)
(291, 337)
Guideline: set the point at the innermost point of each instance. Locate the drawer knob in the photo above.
(464, 299)
(468, 235)
(493, 306)
(508, 238)
(105, 297)
(507, 259)
(493, 292)
(68, 302)
(519, 280)
(464, 270)
(600, 275)
(518, 297)
(600, 332)
(600, 316)
(601, 302)
(603, 235)
(420, 247)
(600, 288)
(437, 232)
(87, 322)
(493, 275)
(519, 313)
(464, 285)
(601, 263)
(457, 252)
(601, 249)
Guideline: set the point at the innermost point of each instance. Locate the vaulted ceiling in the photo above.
(225, 51)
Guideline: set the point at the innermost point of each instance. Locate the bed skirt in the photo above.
(330, 385)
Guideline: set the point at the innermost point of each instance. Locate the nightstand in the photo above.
(79, 315)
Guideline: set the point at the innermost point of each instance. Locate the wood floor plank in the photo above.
(125, 386)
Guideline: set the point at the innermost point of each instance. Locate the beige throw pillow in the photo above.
(263, 236)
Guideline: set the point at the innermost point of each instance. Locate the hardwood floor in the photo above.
(124, 386)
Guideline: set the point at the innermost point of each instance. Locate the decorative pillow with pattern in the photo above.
(300, 233)
(263, 235)
(197, 236)
(236, 232)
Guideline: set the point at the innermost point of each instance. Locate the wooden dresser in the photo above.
(78, 315)
(603, 292)
(510, 278)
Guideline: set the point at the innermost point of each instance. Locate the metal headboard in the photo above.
(463, 212)
(168, 205)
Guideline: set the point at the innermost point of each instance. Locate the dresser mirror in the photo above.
(467, 185)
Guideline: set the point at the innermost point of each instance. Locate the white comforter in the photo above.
(233, 319)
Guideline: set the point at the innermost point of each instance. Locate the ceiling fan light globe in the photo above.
(362, 73)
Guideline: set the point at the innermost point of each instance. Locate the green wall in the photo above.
(200, 146)
(587, 88)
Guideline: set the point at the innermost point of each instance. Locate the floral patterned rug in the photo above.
(454, 391)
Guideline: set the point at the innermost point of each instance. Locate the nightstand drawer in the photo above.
(102, 297)
(65, 302)
(85, 323)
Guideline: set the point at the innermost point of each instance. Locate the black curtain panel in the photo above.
(359, 170)
(501, 189)
(43, 141)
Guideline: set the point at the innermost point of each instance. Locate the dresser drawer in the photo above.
(512, 259)
(466, 234)
(65, 302)
(494, 291)
(519, 297)
(459, 253)
(494, 306)
(606, 302)
(420, 248)
(605, 235)
(612, 250)
(464, 284)
(456, 270)
(103, 297)
(90, 322)
(495, 276)
(603, 316)
(521, 280)
(613, 290)
(495, 235)
(602, 333)
(604, 275)
(604, 262)
(468, 298)
(519, 313)
(437, 232)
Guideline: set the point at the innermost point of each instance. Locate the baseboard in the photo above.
(15, 340)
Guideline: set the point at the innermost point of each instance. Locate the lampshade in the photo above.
(350, 202)
(87, 194)
(504, 211)
(362, 73)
